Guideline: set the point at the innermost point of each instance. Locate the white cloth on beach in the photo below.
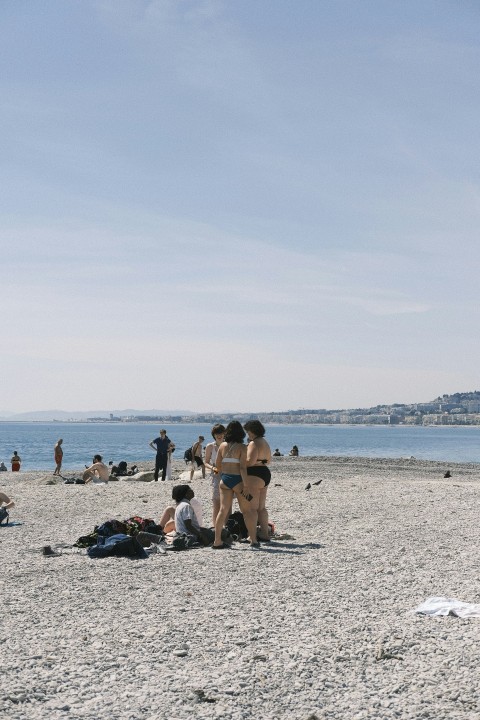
(437, 606)
(197, 509)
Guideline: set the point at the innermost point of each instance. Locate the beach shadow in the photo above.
(290, 548)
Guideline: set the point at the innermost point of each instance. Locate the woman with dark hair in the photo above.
(231, 463)
(259, 455)
(211, 450)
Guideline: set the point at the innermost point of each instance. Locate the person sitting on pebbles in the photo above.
(5, 505)
(98, 472)
(167, 520)
(186, 522)
(5, 501)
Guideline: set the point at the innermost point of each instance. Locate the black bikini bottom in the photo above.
(260, 471)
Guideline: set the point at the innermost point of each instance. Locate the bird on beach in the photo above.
(448, 474)
(318, 481)
(308, 487)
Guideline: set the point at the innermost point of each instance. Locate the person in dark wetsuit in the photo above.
(163, 447)
(259, 455)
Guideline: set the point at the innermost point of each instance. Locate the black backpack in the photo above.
(188, 455)
(3, 515)
(236, 526)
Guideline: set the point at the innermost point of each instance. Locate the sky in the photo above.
(241, 205)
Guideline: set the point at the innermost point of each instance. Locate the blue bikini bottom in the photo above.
(231, 480)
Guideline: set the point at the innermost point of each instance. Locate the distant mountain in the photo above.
(50, 415)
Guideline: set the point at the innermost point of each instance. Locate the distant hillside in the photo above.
(65, 415)
(458, 397)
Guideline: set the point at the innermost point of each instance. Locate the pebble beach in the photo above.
(317, 625)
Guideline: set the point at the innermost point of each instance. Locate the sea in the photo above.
(115, 441)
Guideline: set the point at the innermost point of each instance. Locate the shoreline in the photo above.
(179, 465)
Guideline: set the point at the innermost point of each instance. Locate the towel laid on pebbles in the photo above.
(437, 606)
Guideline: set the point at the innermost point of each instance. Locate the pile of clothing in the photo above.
(116, 538)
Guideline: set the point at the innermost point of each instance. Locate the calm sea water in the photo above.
(118, 441)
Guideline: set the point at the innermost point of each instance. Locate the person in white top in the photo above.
(186, 522)
(211, 450)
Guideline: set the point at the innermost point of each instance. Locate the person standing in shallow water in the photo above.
(16, 461)
(163, 447)
(58, 455)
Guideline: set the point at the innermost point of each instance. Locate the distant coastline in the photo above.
(462, 409)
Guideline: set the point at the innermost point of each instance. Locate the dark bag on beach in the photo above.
(183, 542)
(236, 525)
(4, 515)
(188, 455)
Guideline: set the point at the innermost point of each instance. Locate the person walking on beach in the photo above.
(98, 472)
(258, 457)
(163, 447)
(197, 457)
(211, 450)
(58, 455)
(16, 461)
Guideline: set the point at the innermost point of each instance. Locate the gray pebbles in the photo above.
(316, 626)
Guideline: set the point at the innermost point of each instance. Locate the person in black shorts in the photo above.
(197, 457)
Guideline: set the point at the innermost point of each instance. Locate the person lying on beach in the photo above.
(98, 472)
(232, 465)
(6, 502)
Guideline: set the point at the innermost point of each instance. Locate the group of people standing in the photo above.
(237, 471)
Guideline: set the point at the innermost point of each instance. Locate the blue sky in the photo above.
(243, 205)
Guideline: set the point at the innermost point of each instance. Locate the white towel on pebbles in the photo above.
(436, 606)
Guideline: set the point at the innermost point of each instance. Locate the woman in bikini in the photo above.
(259, 455)
(231, 463)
